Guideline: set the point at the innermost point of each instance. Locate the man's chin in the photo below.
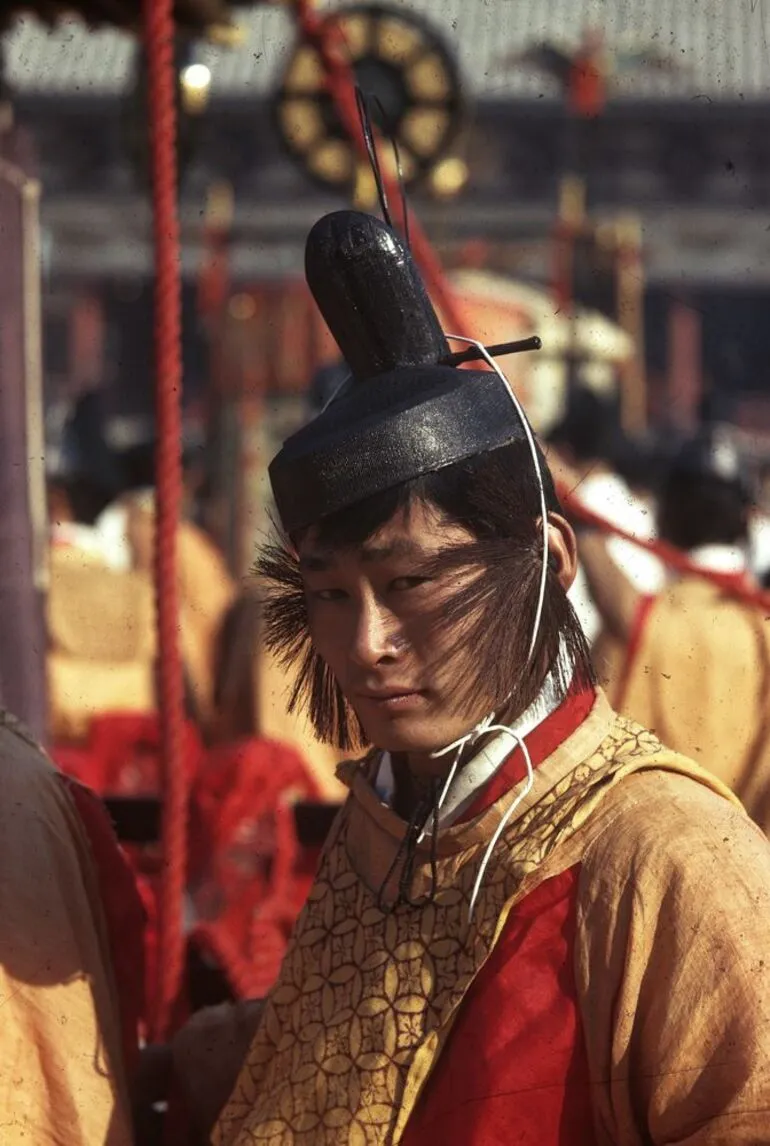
(410, 737)
(401, 735)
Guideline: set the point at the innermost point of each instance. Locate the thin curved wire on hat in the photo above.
(487, 725)
(374, 160)
(371, 151)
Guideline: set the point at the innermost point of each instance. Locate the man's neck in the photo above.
(414, 774)
(413, 785)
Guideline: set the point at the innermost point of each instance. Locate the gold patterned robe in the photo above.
(669, 958)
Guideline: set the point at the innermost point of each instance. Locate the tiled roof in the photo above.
(70, 59)
(720, 47)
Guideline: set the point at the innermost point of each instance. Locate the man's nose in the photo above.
(377, 636)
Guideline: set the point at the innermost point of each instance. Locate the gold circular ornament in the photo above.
(449, 177)
(413, 89)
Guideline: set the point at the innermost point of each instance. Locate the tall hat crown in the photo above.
(404, 412)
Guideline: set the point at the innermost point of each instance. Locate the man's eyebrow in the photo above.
(398, 548)
(314, 563)
(321, 562)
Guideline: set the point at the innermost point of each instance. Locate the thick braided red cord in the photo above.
(159, 38)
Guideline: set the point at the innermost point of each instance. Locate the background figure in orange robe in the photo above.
(695, 664)
(67, 1009)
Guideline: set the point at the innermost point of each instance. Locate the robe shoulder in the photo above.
(672, 964)
(62, 1079)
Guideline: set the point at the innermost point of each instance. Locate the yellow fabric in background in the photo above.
(103, 643)
(274, 690)
(700, 679)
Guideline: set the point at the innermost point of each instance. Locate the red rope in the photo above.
(159, 35)
(330, 45)
(671, 556)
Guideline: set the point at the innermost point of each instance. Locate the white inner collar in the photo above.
(480, 769)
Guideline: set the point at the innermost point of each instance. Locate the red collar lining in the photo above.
(541, 742)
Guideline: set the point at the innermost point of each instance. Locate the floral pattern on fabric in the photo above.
(364, 999)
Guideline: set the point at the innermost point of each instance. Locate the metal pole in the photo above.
(23, 517)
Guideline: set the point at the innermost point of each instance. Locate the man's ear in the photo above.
(562, 550)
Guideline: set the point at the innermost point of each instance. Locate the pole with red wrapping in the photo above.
(159, 38)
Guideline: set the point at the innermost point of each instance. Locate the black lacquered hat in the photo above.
(406, 409)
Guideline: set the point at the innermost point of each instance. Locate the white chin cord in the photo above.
(487, 724)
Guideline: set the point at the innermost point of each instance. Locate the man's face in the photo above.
(375, 619)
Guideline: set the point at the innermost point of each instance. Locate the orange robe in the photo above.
(101, 643)
(697, 672)
(205, 588)
(611, 989)
(62, 1081)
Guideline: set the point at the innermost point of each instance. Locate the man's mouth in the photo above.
(393, 698)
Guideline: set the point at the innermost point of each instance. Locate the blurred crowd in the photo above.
(685, 652)
(660, 644)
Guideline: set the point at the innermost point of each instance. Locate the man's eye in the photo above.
(328, 594)
(402, 583)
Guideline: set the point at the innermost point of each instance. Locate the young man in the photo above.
(531, 923)
(695, 663)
